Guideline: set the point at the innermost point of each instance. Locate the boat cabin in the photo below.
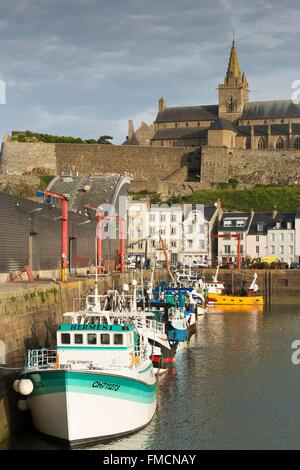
(96, 343)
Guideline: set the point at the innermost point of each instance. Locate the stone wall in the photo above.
(250, 167)
(18, 158)
(160, 169)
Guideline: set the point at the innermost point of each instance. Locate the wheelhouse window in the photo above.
(118, 338)
(78, 338)
(91, 338)
(105, 338)
(65, 338)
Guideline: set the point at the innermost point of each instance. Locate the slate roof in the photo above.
(188, 113)
(270, 109)
(276, 129)
(209, 212)
(234, 216)
(265, 218)
(220, 124)
(180, 133)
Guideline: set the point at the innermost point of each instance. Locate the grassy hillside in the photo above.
(260, 198)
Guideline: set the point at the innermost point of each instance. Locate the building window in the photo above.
(265, 121)
(173, 218)
(282, 237)
(227, 223)
(297, 143)
(190, 243)
(273, 237)
(262, 143)
(289, 226)
(152, 217)
(198, 124)
(281, 249)
(291, 250)
(162, 217)
(248, 143)
(227, 249)
(257, 249)
(272, 250)
(173, 230)
(278, 224)
(260, 227)
(280, 143)
(291, 237)
(282, 121)
(257, 238)
(240, 223)
(190, 229)
(173, 244)
(152, 230)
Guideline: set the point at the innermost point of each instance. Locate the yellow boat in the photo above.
(223, 299)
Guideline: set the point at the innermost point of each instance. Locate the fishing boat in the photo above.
(250, 298)
(97, 384)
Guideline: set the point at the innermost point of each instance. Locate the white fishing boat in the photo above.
(97, 384)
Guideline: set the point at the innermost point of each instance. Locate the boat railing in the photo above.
(38, 358)
(155, 326)
(50, 358)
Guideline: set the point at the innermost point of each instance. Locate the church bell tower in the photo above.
(234, 92)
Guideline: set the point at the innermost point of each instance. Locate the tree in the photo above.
(104, 139)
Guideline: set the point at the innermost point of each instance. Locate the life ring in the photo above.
(131, 357)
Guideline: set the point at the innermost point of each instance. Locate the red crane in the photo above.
(238, 236)
(100, 218)
(64, 228)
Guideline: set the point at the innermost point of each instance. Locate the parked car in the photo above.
(294, 265)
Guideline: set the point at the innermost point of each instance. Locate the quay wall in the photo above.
(28, 319)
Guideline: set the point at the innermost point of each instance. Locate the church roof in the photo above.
(220, 124)
(233, 70)
(270, 109)
(188, 113)
(180, 133)
(276, 129)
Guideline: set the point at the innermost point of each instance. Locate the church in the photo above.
(235, 122)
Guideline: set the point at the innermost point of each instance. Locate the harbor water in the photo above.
(235, 388)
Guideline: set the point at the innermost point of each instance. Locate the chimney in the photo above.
(274, 212)
(130, 129)
(162, 104)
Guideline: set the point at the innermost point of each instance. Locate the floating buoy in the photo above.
(22, 405)
(16, 385)
(25, 386)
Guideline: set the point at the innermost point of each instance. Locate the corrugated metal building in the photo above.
(30, 232)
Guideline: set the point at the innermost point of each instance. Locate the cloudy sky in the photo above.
(84, 67)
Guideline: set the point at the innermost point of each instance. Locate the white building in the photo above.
(183, 230)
